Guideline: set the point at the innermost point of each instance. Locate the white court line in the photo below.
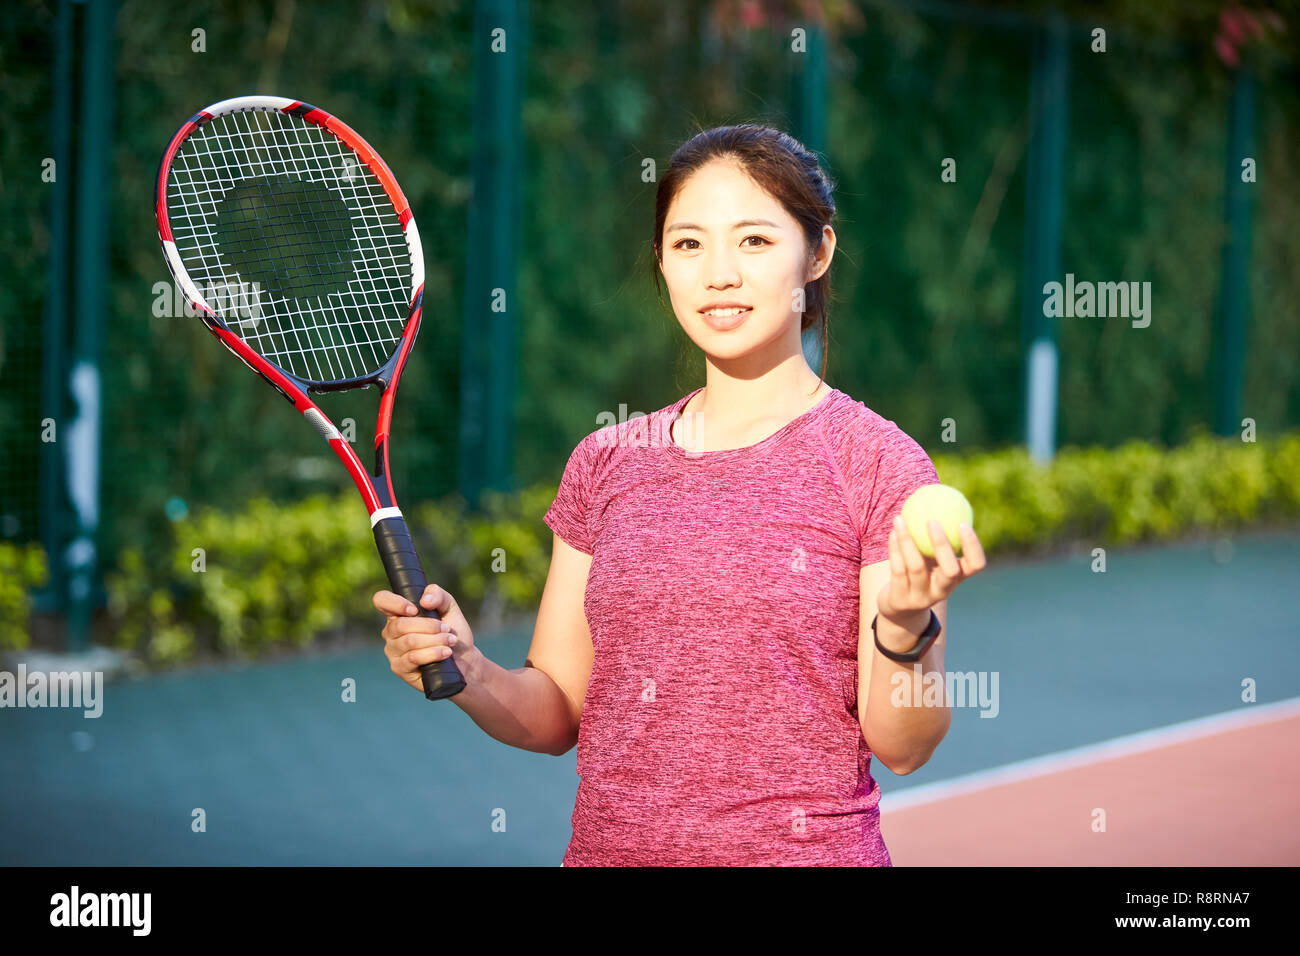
(1249, 715)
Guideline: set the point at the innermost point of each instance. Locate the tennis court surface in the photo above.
(1153, 656)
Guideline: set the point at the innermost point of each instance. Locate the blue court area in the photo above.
(287, 773)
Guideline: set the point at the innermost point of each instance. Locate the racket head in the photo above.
(285, 229)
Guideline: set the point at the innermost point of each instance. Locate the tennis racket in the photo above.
(292, 241)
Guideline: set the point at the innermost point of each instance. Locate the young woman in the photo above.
(705, 635)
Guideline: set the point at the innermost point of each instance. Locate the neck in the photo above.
(783, 391)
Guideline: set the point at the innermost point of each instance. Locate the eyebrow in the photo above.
(740, 225)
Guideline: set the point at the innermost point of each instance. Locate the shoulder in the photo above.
(877, 465)
(613, 442)
(862, 439)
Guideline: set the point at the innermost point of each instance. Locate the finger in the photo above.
(392, 604)
(897, 566)
(408, 663)
(972, 552)
(943, 553)
(418, 642)
(426, 655)
(436, 599)
(912, 557)
(402, 626)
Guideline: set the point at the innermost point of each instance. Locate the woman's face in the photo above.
(727, 241)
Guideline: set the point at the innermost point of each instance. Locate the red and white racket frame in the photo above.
(442, 678)
(377, 490)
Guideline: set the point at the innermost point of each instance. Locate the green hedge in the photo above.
(284, 574)
(279, 575)
(1136, 492)
(22, 568)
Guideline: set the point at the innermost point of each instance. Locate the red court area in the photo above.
(1218, 796)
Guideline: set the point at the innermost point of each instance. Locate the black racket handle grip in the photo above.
(442, 678)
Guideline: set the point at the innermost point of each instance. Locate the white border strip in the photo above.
(417, 254)
(248, 103)
(321, 423)
(181, 276)
(379, 514)
(1249, 715)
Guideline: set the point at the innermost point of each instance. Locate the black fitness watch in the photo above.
(922, 645)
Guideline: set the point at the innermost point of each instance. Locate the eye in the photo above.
(759, 238)
(678, 244)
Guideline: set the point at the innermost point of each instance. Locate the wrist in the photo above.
(471, 665)
(901, 632)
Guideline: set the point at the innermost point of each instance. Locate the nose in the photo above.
(722, 267)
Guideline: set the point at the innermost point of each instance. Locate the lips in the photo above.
(723, 323)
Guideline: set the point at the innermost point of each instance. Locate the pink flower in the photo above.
(1230, 22)
(1227, 52)
(751, 14)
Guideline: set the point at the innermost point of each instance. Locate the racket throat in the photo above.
(380, 477)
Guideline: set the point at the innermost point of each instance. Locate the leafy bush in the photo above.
(21, 569)
(1136, 492)
(244, 582)
(284, 575)
(273, 575)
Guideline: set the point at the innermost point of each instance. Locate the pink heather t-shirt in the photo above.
(720, 725)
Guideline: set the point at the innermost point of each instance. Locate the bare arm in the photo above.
(902, 738)
(535, 707)
(903, 590)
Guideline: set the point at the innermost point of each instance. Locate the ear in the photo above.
(820, 257)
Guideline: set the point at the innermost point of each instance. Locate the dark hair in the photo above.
(782, 166)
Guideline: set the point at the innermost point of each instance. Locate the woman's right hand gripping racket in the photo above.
(292, 241)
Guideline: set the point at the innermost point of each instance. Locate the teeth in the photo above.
(725, 311)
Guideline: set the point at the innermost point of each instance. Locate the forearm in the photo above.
(908, 712)
(522, 707)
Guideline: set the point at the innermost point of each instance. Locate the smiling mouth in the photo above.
(724, 320)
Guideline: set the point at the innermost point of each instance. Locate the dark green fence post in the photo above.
(488, 352)
(81, 436)
(1044, 202)
(812, 91)
(1234, 291)
(53, 504)
(809, 127)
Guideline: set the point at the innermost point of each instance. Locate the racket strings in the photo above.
(293, 241)
(305, 231)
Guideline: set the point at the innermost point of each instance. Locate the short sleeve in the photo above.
(901, 467)
(568, 513)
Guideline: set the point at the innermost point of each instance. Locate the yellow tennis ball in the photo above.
(944, 504)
